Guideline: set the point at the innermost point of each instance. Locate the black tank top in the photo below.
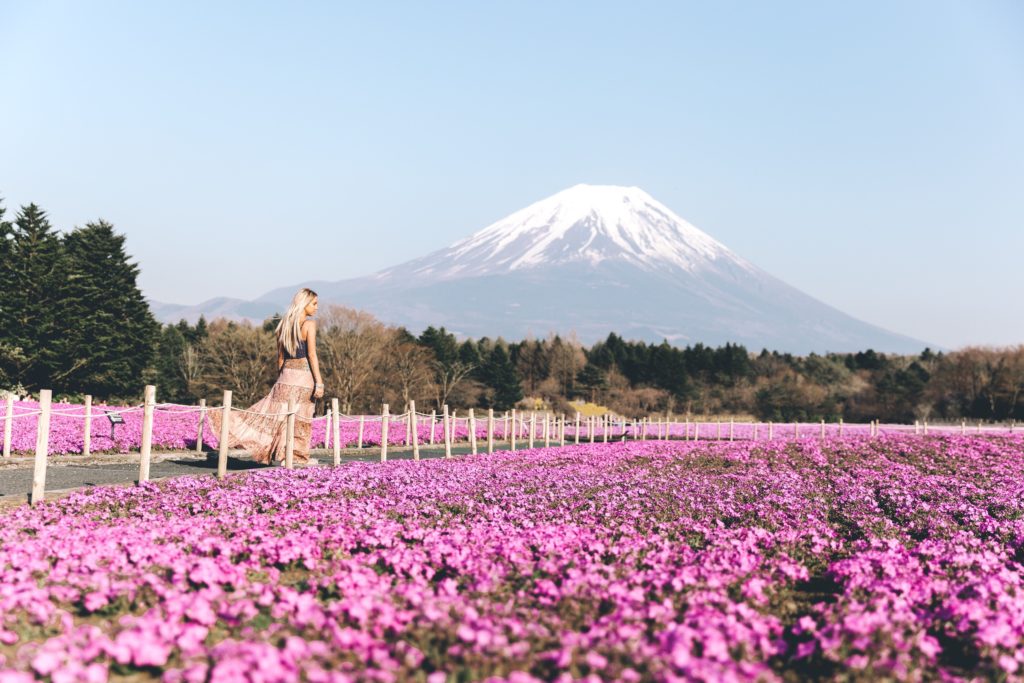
(300, 351)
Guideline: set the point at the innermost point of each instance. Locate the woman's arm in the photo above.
(280, 356)
(314, 363)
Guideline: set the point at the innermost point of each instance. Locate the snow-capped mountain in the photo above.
(586, 224)
(593, 259)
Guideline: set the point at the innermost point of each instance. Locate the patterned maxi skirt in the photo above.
(263, 436)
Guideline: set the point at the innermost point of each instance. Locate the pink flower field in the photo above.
(175, 427)
(895, 557)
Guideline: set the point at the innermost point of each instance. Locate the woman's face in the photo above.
(312, 305)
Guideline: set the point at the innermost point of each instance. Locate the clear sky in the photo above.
(869, 153)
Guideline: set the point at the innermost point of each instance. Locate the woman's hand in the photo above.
(318, 390)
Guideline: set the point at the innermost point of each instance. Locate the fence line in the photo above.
(514, 427)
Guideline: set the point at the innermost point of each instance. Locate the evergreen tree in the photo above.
(470, 355)
(6, 270)
(110, 334)
(11, 357)
(591, 379)
(500, 375)
(30, 298)
(442, 343)
(170, 380)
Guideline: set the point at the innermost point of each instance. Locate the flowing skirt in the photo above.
(263, 436)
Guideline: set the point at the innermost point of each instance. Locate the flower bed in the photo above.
(175, 427)
(894, 557)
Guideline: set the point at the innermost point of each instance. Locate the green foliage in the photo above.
(30, 300)
(71, 315)
(592, 379)
(109, 334)
(500, 375)
(442, 343)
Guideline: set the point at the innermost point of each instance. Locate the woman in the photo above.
(263, 435)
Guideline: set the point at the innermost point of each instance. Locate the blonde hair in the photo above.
(289, 330)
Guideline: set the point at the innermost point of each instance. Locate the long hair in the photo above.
(289, 330)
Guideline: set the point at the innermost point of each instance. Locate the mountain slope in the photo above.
(594, 260)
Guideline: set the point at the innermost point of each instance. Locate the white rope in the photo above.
(15, 416)
(185, 409)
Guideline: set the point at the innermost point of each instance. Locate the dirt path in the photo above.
(67, 473)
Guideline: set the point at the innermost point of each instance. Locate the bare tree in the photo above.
(241, 358)
(408, 368)
(448, 376)
(351, 348)
(566, 359)
(190, 365)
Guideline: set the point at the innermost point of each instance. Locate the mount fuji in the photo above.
(591, 259)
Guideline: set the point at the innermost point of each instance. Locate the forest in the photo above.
(366, 363)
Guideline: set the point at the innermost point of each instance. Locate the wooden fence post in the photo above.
(822, 429)
(337, 431)
(225, 427)
(289, 436)
(145, 450)
(718, 437)
(512, 443)
(202, 425)
(576, 434)
(732, 426)
(771, 431)
(840, 426)
(590, 427)
(413, 431)
(433, 423)
(607, 423)
(447, 432)
(472, 431)
(8, 425)
(408, 425)
(327, 428)
(547, 430)
(490, 430)
(359, 444)
(87, 427)
(42, 448)
(384, 433)
(926, 427)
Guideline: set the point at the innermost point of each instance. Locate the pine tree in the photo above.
(501, 376)
(592, 379)
(30, 297)
(111, 334)
(170, 350)
(11, 356)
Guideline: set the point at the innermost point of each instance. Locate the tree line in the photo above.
(71, 315)
(73, 319)
(366, 363)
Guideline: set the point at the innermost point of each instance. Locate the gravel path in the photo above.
(67, 473)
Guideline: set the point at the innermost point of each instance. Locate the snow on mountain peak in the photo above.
(582, 224)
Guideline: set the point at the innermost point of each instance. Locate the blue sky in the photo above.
(869, 153)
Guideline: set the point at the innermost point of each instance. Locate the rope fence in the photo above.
(185, 426)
